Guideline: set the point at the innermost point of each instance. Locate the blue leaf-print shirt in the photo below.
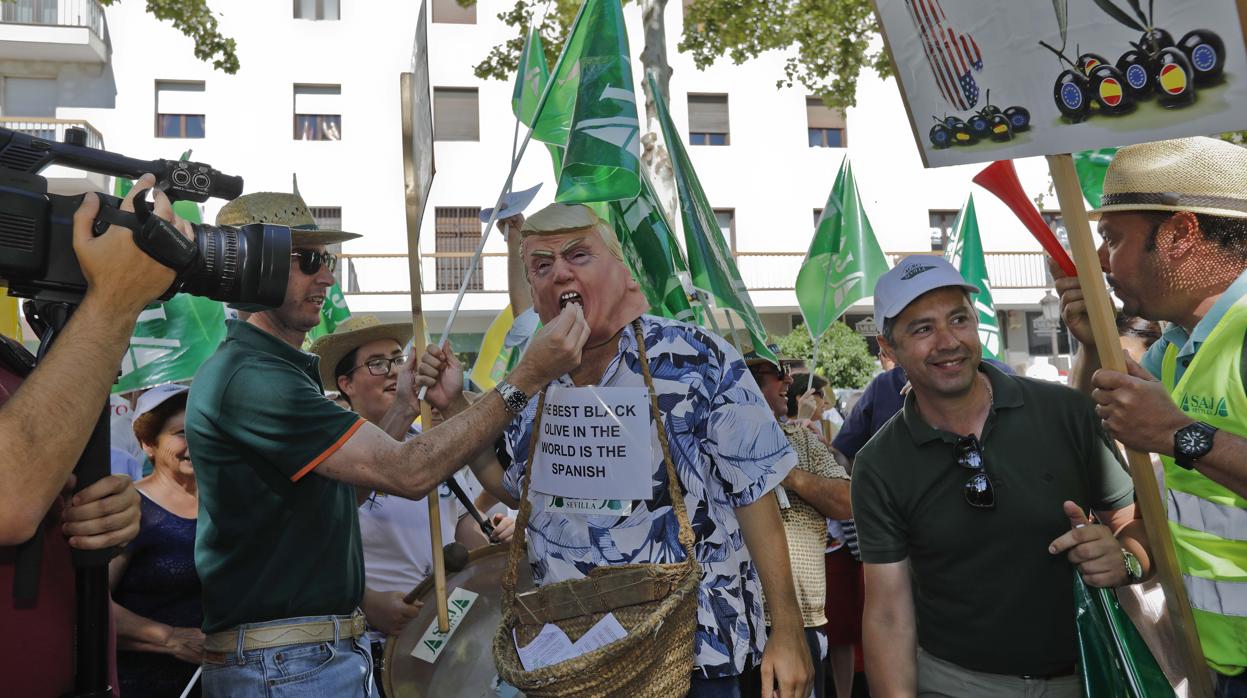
(728, 452)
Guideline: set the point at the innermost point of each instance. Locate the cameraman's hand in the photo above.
(104, 515)
(118, 273)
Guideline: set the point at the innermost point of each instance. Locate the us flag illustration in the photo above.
(950, 54)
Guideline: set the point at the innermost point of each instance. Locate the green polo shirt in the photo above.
(987, 594)
(274, 538)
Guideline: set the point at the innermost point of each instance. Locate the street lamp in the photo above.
(1051, 307)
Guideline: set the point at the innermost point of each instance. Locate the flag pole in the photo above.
(506, 189)
(731, 327)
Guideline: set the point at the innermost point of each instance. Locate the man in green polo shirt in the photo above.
(1174, 223)
(278, 545)
(970, 508)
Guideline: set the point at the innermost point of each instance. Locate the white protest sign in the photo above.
(1108, 73)
(430, 646)
(594, 443)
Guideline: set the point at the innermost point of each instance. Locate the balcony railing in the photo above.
(56, 13)
(386, 274)
(51, 129)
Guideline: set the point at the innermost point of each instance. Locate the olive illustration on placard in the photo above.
(1019, 118)
(1156, 65)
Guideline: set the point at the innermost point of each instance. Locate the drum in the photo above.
(465, 666)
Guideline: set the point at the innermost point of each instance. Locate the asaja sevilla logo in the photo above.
(1207, 405)
(1173, 79)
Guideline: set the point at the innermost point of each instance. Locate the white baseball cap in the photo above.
(156, 397)
(910, 278)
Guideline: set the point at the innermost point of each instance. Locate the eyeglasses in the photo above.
(311, 260)
(978, 489)
(379, 366)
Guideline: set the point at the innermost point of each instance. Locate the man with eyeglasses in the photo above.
(970, 507)
(278, 545)
(363, 359)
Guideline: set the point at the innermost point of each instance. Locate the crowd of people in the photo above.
(927, 537)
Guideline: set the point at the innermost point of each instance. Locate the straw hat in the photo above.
(275, 208)
(1200, 175)
(353, 333)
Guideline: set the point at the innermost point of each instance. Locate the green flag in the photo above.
(965, 251)
(709, 259)
(590, 109)
(173, 338)
(652, 253)
(844, 260)
(332, 313)
(530, 81)
(1091, 166)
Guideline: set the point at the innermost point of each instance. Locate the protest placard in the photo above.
(1022, 78)
(595, 443)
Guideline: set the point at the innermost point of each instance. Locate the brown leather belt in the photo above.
(226, 641)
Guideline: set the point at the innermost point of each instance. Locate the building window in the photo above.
(318, 112)
(1039, 335)
(456, 114)
(327, 217)
(826, 125)
(316, 9)
(457, 233)
(451, 12)
(707, 120)
(726, 218)
(1057, 226)
(180, 109)
(941, 229)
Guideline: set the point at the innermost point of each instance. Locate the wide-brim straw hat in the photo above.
(353, 333)
(276, 208)
(1200, 175)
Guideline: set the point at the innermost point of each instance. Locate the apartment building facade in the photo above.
(317, 99)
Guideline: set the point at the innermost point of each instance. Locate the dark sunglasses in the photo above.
(310, 261)
(978, 489)
(770, 370)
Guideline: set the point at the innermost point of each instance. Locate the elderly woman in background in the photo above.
(156, 593)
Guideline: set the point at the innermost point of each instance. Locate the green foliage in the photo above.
(844, 358)
(828, 41)
(194, 19)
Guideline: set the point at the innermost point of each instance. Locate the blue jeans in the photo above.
(1232, 686)
(342, 667)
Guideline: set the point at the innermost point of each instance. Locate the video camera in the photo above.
(247, 264)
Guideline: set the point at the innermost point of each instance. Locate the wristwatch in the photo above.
(514, 398)
(1192, 442)
(1134, 570)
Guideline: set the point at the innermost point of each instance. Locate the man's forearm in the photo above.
(1086, 363)
(1226, 463)
(890, 649)
(54, 413)
(1133, 537)
(829, 496)
(134, 632)
(768, 546)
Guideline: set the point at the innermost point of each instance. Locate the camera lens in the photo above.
(250, 264)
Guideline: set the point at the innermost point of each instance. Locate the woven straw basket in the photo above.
(655, 603)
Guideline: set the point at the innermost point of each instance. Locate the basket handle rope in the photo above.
(673, 486)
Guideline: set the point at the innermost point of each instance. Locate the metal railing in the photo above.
(385, 274)
(55, 13)
(51, 129)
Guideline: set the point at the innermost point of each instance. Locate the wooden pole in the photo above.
(413, 193)
(1147, 492)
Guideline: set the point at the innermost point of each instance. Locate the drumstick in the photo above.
(486, 527)
(191, 685)
(456, 555)
(439, 564)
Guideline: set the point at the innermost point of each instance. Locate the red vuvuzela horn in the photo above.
(1001, 179)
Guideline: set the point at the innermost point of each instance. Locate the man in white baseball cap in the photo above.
(1174, 224)
(968, 504)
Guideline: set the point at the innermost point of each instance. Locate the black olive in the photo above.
(1136, 67)
(1108, 88)
(1019, 118)
(1070, 94)
(1206, 52)
(1174, 79)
